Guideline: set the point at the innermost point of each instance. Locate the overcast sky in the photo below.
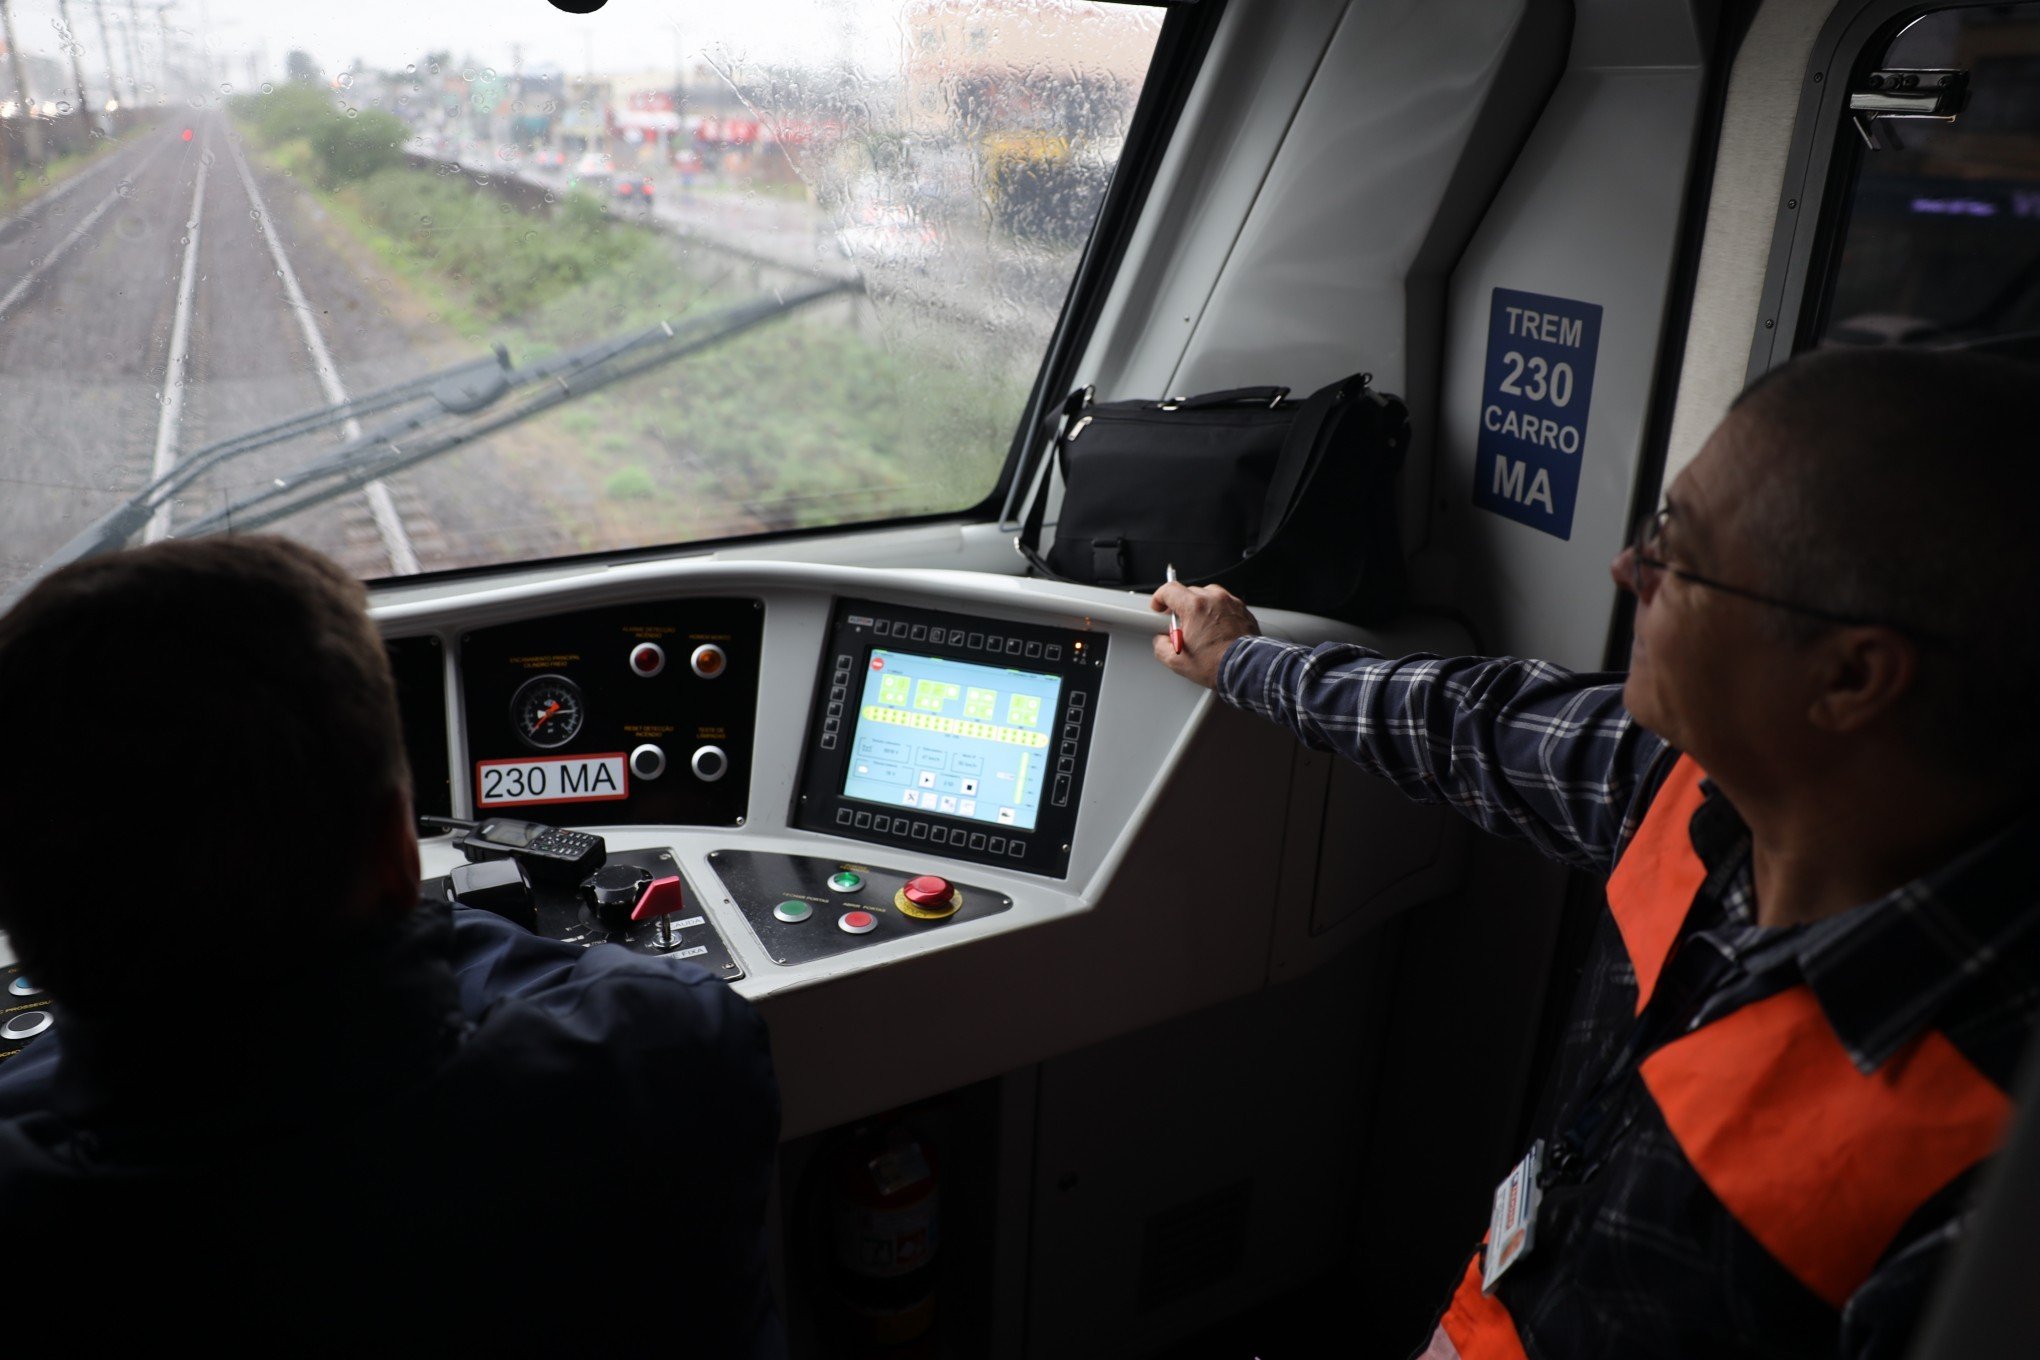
(250, 38)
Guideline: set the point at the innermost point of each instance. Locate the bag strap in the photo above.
(1028, 541)
(1295, 461)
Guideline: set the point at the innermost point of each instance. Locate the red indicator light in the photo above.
(187, 134)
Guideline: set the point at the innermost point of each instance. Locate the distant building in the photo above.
(967, 72)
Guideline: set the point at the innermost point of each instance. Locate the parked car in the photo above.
(633, 191)
(890, 234)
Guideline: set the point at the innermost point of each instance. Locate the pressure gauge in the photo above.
(547, 712)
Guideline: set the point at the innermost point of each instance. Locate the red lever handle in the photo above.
(661, 897)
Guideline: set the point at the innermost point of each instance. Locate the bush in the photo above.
(353, 148)
(287, 112)
(506, 263)
(344, 149)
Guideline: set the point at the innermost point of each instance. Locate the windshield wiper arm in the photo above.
(125, 520)
(392, 447)
(464, 389)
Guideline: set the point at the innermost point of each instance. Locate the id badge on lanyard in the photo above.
(1512, 1223)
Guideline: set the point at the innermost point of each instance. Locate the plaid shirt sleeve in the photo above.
(1522, 748)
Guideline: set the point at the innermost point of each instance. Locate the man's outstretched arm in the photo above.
(1522, 748)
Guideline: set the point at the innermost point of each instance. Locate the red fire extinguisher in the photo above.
(884, 1231)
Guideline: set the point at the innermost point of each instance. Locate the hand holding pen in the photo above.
(1203, 622)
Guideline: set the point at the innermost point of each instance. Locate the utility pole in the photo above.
(106, 46)
(78, 68)
(134, 46)
(163, 58)
(31, 129)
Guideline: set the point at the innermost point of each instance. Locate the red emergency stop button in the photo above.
(928, 898)
(928, 890)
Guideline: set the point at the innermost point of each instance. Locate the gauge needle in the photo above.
(550, 709)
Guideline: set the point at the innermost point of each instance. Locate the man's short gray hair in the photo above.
(1902, 486)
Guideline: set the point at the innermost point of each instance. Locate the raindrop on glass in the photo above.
(268, 88)
(345, 80)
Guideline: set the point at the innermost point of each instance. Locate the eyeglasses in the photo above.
(1650, 532)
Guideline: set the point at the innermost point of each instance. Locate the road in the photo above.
(953, 272)
(174, 294)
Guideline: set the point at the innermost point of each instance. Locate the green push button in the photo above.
(847, 881)
(791, 912)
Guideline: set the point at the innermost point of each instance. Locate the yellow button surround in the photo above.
(921, 913)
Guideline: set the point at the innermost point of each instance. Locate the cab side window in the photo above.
(1940, 239)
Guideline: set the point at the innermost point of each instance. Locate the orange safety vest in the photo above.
(1819, 1163)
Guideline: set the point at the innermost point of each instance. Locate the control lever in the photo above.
(662, 897)
(611, 895)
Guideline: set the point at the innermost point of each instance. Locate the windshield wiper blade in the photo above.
(124, 521)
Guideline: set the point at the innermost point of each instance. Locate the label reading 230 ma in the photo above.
(557, 779)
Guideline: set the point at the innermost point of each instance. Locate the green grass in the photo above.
(632, 483)
(23, 184)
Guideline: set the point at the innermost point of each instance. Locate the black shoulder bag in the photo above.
(1290, 504)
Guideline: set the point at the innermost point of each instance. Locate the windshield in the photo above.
(465, 284)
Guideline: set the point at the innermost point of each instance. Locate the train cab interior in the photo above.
(680, 383)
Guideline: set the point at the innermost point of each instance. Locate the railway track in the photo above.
(231, 300)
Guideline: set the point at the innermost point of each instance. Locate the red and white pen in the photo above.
(1175, 624)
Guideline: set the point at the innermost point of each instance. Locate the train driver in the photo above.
(1810, 794)
(285, 1104)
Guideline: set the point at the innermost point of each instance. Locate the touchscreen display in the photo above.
(953, 737)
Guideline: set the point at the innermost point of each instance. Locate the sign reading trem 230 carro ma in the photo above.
(1533, 407)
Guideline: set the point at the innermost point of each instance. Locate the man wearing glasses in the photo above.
(1806, 1003)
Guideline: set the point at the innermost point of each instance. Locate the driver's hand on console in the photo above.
(1212, 617)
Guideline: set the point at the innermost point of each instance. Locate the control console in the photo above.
(25, 1010)
(961, 735)
(637, 898)
(631, 714)
(804, 908)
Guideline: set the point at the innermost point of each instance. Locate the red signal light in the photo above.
(187, 134)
